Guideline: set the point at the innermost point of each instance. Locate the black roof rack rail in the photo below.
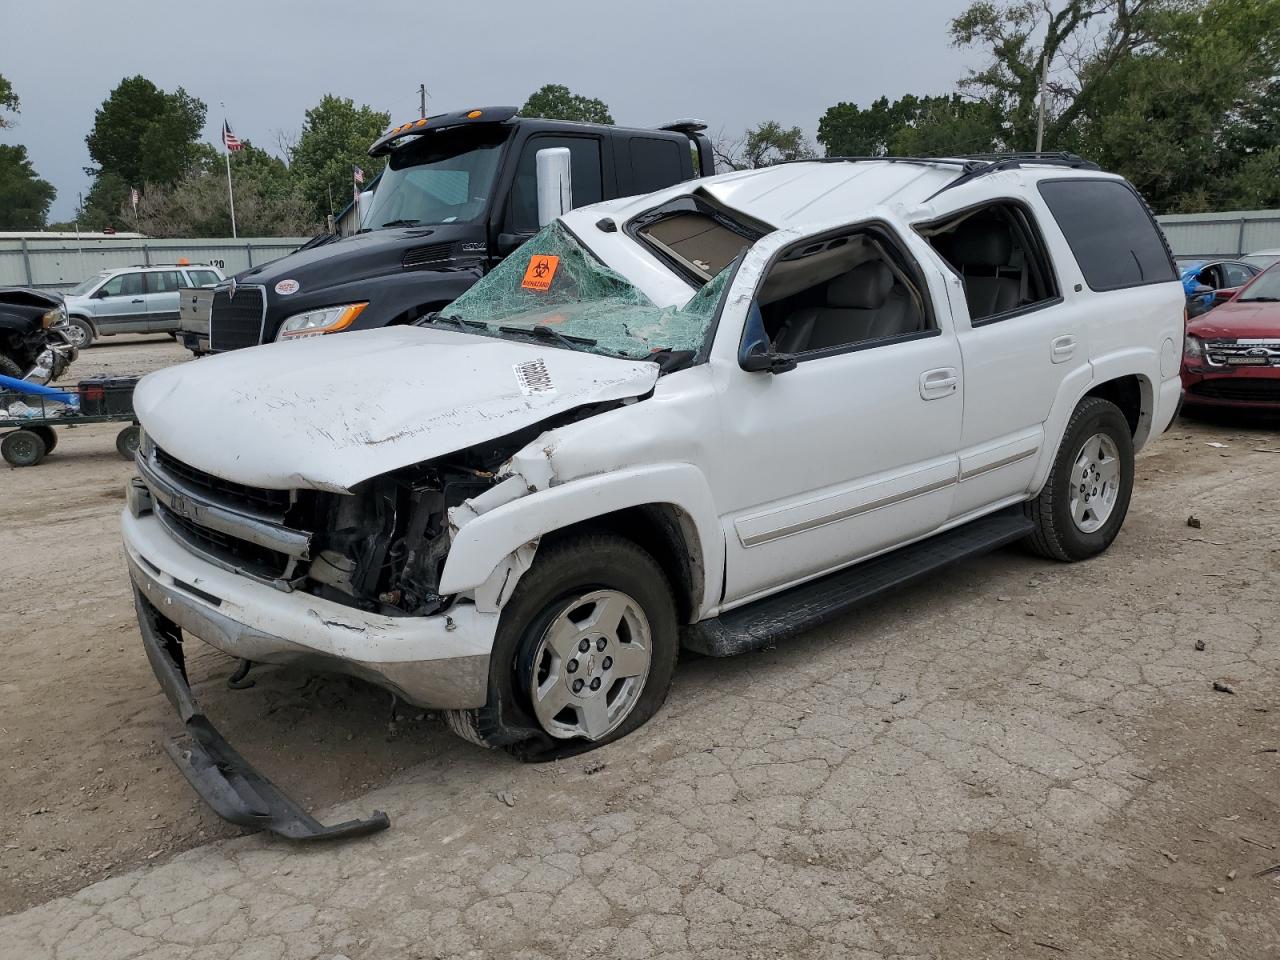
(964, 162)
(988, 163)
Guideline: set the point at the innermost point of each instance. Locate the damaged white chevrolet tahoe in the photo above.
(709, 417)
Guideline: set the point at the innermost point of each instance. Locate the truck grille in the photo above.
(1243, 353)
(236, 495)
(236, 322)
(258, 561)
(1247, 389)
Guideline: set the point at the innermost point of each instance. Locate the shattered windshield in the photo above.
(554, 288)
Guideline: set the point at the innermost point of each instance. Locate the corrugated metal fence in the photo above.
(1230, 234)
(59, 264)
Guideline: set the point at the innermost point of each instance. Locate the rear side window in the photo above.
(202, 278)
(1110, 232)
(654, 164)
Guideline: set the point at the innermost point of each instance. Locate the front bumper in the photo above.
(437, 662)
(1240, 388)
(224, 779)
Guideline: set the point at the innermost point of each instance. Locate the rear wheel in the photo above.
(1084, 502)
(9, 368)
(22, 448)
(585, 651)
(48, 435)
(127, 441)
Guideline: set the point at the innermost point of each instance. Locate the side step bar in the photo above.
(224, 779)
(811, 604)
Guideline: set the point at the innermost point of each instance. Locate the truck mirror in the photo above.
(555, 183)
(363, 202)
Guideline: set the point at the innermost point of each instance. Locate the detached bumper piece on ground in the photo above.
(223, 778)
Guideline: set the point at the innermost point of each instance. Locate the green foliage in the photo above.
(919, 126)
(762, 146)
(335, 137)
(557, 102)
(8, 101)
(24, 197)
(143, 135)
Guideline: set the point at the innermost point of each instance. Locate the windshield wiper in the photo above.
(400, 223)
(459, 323)
(1260, 299)
(543, 332)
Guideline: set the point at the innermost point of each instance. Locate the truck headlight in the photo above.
(314, 323)
(48, 319)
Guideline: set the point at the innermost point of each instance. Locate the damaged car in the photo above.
(704, 419)
(36, 342)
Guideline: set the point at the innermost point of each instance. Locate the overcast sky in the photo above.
(732, 63)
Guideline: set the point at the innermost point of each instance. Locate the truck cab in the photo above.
(459, 193)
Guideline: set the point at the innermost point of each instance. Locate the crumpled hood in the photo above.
(331, 411)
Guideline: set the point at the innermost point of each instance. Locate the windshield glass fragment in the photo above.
(553, 282)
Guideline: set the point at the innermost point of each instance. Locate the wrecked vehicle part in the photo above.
(407, 395)
(35, 344)
(222, 778)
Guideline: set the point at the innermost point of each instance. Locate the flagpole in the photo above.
(231, 196)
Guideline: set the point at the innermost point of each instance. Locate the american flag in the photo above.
(133, 198)
(229, 139)
(357, 175)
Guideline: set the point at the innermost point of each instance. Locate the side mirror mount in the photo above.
(756, 355)
(555, 183)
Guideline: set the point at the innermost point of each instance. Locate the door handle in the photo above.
(1062, 349)
(935, 384)
(139, 300)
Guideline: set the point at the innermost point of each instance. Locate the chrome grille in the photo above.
(227, 492)
(1242, 353)
(237, 321)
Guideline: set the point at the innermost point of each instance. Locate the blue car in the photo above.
(1202, 279)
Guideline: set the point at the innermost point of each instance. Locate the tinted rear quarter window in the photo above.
(654, 164)
(1110, 232)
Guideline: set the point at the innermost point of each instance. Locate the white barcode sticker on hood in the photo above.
(533, 377)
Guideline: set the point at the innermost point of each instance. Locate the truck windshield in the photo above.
(553, 285)
(441, 177)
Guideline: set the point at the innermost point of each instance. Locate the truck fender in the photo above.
(483, 542)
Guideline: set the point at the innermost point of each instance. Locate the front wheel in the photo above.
(1084, 502)
(79, 332)
(584, 654)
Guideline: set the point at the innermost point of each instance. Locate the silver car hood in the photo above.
(328, 412)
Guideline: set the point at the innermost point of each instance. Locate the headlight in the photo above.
(314, 323)
(47, 320)
(1193, 348)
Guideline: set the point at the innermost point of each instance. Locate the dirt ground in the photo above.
(1018, 759)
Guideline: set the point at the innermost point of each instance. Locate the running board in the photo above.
(811, 604)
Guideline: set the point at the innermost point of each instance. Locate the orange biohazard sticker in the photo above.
(541, 270)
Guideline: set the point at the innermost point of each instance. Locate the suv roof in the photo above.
(816, 191)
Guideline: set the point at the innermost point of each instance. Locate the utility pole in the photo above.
(1044, 83)
(422, 100)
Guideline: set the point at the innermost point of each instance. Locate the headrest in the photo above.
(865, 287)
(982, 244)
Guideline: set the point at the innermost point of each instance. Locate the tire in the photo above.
(80, 331)
(579, 578)
(9, 368)
(22, 448)
(127, 441)
(1080, 511)
(48, 435)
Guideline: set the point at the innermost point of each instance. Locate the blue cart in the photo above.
(29, 413)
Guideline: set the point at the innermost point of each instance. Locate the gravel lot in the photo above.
(1020, 759)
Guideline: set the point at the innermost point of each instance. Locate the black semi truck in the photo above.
(460, 191)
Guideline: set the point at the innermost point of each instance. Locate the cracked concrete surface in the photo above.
(1019, 759)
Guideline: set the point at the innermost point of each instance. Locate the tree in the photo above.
(913, 126)
(24, 197)
(557, 102)
(141, 134)
(8, 101)
(335, 137)
(761, 146)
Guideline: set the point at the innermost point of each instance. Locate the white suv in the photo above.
(709, 417)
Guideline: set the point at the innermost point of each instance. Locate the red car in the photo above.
(1232, 355)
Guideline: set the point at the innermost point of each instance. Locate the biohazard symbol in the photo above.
(540, 272)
